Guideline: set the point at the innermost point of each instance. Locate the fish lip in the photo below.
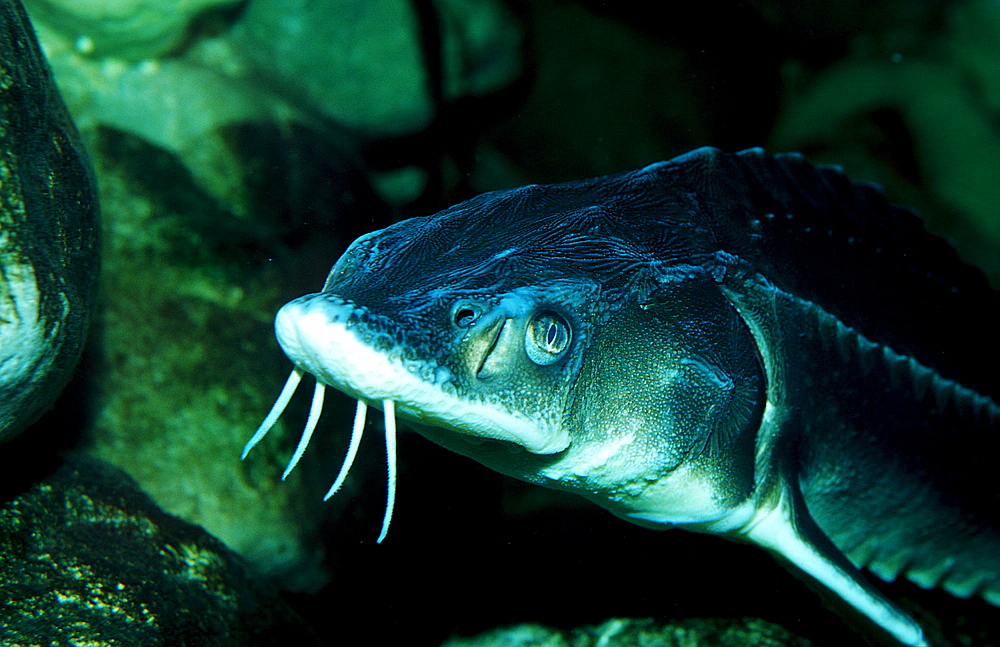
(497, 329)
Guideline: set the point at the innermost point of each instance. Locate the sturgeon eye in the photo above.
(546, 338)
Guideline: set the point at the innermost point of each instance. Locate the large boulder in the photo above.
(86, 558)
(48, 231)
(129, 29)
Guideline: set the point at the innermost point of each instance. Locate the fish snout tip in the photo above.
(300, 327)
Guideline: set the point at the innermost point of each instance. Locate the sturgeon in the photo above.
(739, 344)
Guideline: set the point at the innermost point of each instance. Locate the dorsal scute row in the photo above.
(904, 372)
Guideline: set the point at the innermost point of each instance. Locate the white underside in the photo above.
(774, 529)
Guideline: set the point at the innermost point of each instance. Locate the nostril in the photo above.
(464, 317)
(466, 314)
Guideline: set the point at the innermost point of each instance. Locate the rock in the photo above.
(127, 29)
(620, 632)
(86, 558)
(48, 231)
(371, 68)
(324, 56)
(188, 366)
(177, 103)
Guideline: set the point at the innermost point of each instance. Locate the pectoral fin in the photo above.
(788, 531)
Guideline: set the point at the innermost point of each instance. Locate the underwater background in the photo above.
(239, 146)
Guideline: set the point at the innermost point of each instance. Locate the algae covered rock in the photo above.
(130, 29)
(369, 68)
(86, 558)
(188, 366)
(369, 65)
(48, 231)
(623, 632)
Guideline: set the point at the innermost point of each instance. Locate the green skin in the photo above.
(671, 382)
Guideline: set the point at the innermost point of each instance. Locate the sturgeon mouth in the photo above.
(324, 335)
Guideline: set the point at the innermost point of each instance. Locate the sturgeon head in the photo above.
(553, 334)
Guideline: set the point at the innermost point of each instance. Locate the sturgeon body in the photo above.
(738, 344)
